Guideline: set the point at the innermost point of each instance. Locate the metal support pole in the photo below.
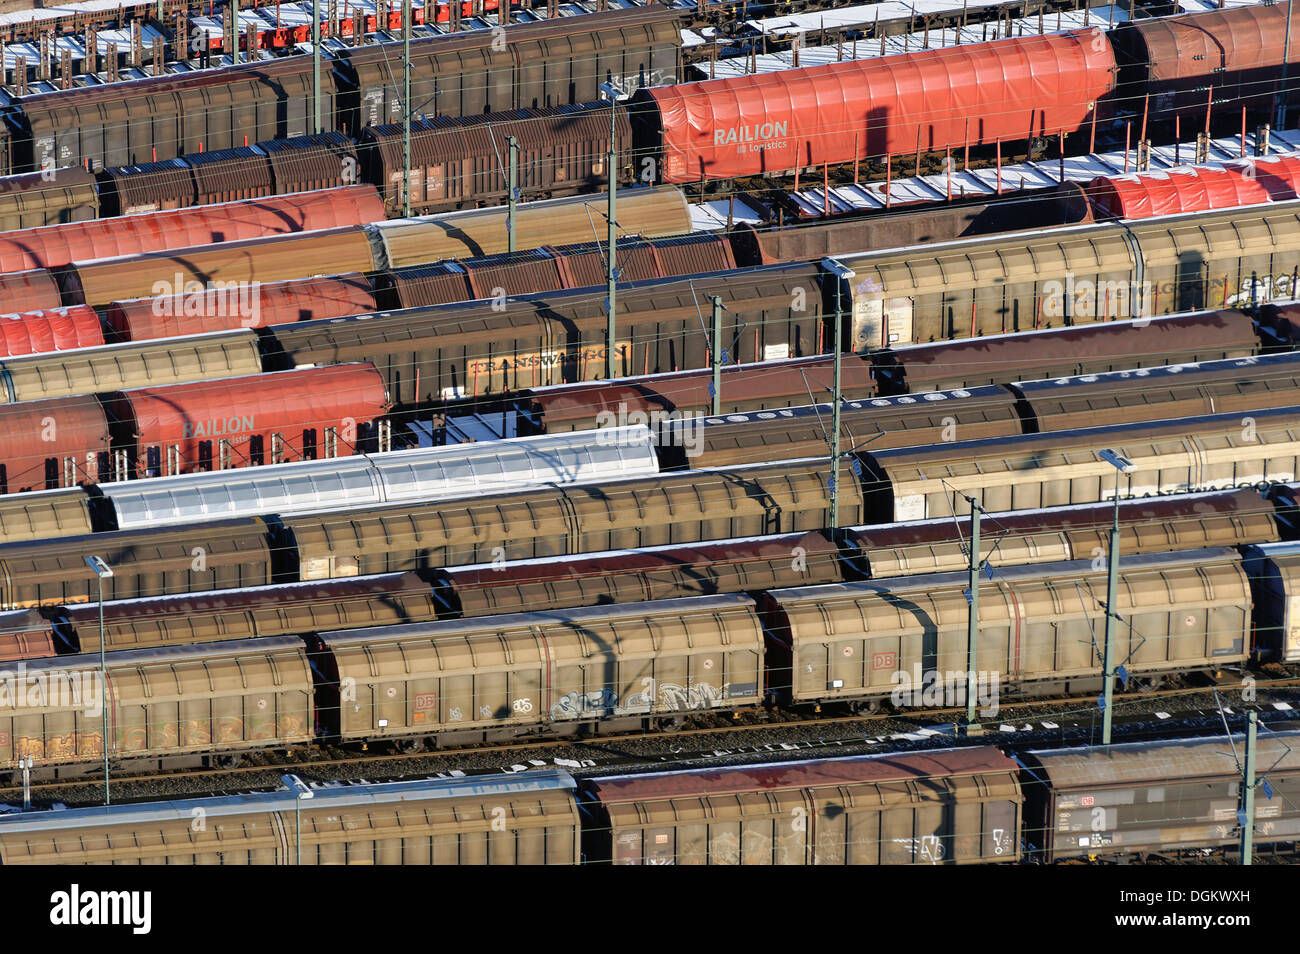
(973, 614)
(1280, 120)
(512, 196)
(716, 354)
(1248, 791)
(300, 791)
(611, 277)
(842, 276)
(103, 691)
(315, 67)
(406, 108)
(836, 395)
(1112, 594)
(27, 782)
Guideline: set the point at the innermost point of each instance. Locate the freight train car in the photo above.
(773, 123)
(1056, 469)
(1077, 275)
(972, 414)
(506, 675)
(214, 309)
(458, 163)
(56, 246)
(948, 806)
(100, 126)
(499, 820)
(1177, 612)
(534, 66)
(1154, 799)
(1222, 56)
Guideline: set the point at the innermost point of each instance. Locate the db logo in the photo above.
(881, 661)
(1087, 801)
(424, 700)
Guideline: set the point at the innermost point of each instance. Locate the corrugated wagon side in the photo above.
(951, 806)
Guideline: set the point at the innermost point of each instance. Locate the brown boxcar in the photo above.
(25, 634)
(239, 265)
(88, 371)
(648, 212)
(169, 701)
(1058, 352)
(1147, 525)
(1219, 451)
(463, 162)
(148, 187)
(162, 117)
(875, 424)
(1239, 52)
(1056, 404)
(947, 806)
(746, 387)
(557, 521)
(1148, 394)
(1071, 276)
(655, 573)
(904, 640)
(527, 819)
(554, 267)
(32, 199)
(507, 675)
(306, 163)
(287, 609)
(1155, 798)
(156, 562)
(224, 175)
(535, 65)
(905, 227)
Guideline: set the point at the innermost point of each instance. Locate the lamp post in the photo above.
(843, 275)
(300, 791)
(612, 92)
(1122, 465)
(102, 572)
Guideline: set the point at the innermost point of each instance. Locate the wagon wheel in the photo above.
(228, 760)
(406, 746)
